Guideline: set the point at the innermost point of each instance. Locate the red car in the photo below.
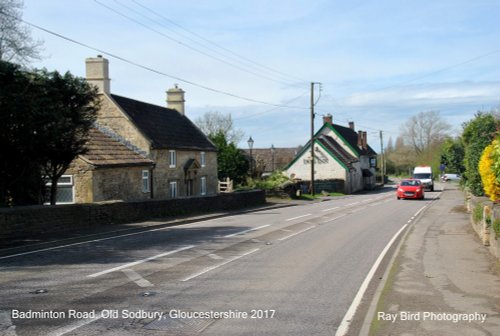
(410, 188)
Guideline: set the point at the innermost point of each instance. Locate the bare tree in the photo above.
(214, 122)
(423, 131)
(16, 43)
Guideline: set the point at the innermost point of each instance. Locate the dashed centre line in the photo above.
(302, 216)
(246, 231)
(296, 233)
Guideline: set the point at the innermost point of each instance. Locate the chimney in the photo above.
(175, 99)
(360, 139)
(351, 125)
(365, 143)
(327, 119)
(97, 73)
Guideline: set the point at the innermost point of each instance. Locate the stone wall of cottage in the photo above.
(163, 174)
(82, 180)
(111, 117)
(119, 184)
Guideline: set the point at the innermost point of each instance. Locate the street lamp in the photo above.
(250, 145)
(273, 150)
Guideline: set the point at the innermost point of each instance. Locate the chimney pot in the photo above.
(351, 125)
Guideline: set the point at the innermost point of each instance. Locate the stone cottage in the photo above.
(343, 160)
(140, 150)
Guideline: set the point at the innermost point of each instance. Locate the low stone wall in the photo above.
(484, 213)
(30, 221)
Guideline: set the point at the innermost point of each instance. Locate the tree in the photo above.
(44, 121)
(423, 132)
(70, 108)
(231, 162)
(490, 180)
(16, 43)
(477, 134)
(214, 122)
(452, 155)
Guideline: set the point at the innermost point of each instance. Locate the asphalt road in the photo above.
(281, 271)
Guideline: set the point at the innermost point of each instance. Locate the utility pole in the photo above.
(382, 162)
(312, 134)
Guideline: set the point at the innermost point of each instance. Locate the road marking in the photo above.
(246, 231)
(351, 204)
(291, 219)
(119, 268)
(137, 278)
(296, 233)
(211, 268)
(344, 325)
(73, 326)
(329, 209)
(214, 256)
(334, 218)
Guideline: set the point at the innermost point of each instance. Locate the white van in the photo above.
(424, 174)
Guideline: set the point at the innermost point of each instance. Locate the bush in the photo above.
(496, 227)
(477, 213)
(491, 183)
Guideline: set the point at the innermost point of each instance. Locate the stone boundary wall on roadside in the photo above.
(484, 227)
(30, 221)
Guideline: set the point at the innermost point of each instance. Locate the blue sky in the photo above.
(379, 62)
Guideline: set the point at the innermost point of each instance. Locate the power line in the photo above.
(218, 45)
(271, 110)
(186, 45)
(201, 86)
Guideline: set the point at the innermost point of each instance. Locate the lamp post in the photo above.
(250, 145)
(273, 150)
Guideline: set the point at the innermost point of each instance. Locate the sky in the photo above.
(379, 62)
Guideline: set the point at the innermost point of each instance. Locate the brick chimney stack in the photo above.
(97, 73)
(175, 99)
(328, 119)
(360, 139)
(351, 125)
(365, 141)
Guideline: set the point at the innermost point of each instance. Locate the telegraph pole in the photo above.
(382, 163)
(312, 133)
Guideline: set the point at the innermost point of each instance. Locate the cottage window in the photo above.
(172, 160)
(65, 190)
(203, 185)
(145, 181)
(173, 189)
(202, 159)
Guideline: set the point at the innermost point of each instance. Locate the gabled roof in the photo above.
(351, 137)
(336, 150)
(104, 151)
(164, 127)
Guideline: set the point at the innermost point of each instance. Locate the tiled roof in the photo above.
(166, 128)
(104, 151)
(337, 150)
(352, 138)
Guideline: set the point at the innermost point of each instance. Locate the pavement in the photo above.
(442, 281)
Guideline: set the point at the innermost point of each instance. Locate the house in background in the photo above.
(343, 160)
(267, 160)
(140, 150)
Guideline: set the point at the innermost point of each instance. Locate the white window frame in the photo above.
(203, 159)
(203, 185)
(146, 182)
(172, 159)
(173, 189)
(64, 184)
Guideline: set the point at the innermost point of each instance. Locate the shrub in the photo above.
(491, 183)
(477, 213)
(496, 227)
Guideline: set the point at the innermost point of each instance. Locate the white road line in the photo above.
(246, 231)
(334, 218)
(351, 204)
(211, 268)
(344, 325)
(214, 256)
(137, 278)
(329, 209)
(291, 219)
(73, 326)
(119, 268)
(296, 233)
